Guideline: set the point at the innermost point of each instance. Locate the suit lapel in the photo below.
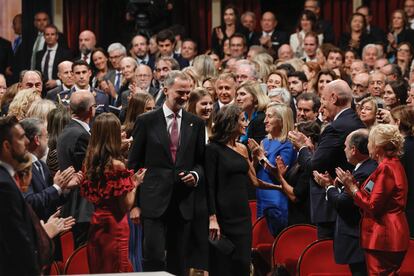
(185, 133)
(162, 132)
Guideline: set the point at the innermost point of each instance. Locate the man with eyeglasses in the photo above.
(116, 52)
(360, 85)
(245, 70)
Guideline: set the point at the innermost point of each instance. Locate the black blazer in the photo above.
(346, 238)
(71, 149)
(256, 129)
(6, 55)
(52, 93)
(62, 54)
(328, 155)
(181, 61)
(41, 195)
(364, 40)
(278, 38)
(151, 150)
(407, 161)
(18, 248)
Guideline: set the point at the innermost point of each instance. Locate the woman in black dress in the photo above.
(229, 172)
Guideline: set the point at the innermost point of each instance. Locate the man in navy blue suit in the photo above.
(166, 44)
(346, 239)
(336, 108)
(45, 194)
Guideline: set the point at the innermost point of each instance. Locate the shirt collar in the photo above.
(34, 158)
(360, 163)
(168, 112)
(54, 48)
(267, 33)
(340, 112)
(8, 168)
(83, 124)
(76, 88)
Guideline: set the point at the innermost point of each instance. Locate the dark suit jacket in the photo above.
(378, 35)
(101, 98)
(328, 155)
(364, 40)
(6, 54)
(325, 27)
(62, 54)
(41, 195)
(407, 160)
(18, 248)
(278, 38)
(151, 150)
(346, 238)
(52, 94)
(71, 149)
(181, 61)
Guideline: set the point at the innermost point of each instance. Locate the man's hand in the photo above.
(188, 179)
(51, 84)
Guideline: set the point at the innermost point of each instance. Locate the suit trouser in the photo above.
(167, 234)
(384, 262)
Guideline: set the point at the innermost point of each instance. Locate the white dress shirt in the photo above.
(52, 55)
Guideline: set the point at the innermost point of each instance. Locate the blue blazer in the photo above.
(347, 249)
(41, 195)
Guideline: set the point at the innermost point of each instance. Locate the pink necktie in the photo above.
(174, 137)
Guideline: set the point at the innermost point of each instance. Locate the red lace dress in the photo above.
(109, 231)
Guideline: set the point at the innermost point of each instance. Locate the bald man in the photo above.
(87, 42)
(269, 37)
(336, 107)
(65, 76)
(71, 150)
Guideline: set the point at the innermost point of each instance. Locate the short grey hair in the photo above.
(172, 76)
(32, 127)
(371, 45)
(282, 92)
(117, 46)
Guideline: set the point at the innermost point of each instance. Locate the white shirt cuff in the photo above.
(196, 176)
(59, 189)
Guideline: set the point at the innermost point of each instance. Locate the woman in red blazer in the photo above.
(382, 198)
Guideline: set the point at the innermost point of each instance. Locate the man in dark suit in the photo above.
(270, 38)
(140, 49)
(116, 52)
(6, 56)
(82, 74)
(18, 248)
(47, 60)
(71, 150)
(322, 26)
(336, 101)
(44, 194)
(347, 249)
(65, 76)
(169, 142)
(226, 90)
(166, 44)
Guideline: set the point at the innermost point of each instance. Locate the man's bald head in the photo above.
(336, 96)
(82, 104)
(87, 42)
(342, 90)
(65, 73)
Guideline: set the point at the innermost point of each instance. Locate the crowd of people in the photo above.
(150, 153)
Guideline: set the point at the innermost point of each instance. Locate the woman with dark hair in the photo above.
(57, 119)
(357, 36)
(311, 70)
(111, 188)
(201, 103)
(306, 24)
(228, 172)
(229, 26)
(395, 94)
(399, 32)
(139, 103)
(404, 58)
(324, 77)
(100, 60)
(350, 56)
(404, 118)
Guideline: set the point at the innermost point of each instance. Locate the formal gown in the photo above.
(273, 204)
(109, 230)
(227, 176)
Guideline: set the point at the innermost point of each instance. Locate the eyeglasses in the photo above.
(403, 50)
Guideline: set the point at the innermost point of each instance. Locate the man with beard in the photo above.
(140, 49)
(87, 42)
(163, 65)
(18, 250)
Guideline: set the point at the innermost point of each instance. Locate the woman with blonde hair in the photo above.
(264, 63)
(204, 66)
(40, 108)
(22, 101)
(382, 199)
(253, 101)
(274, 203)
(276, 79)
(368, 108)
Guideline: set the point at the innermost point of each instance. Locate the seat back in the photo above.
(407, 266)
(318, 259)
(77, 262)
(289, 245)
(68, 245)
(253, 210)
(261, 233)
(54, 269)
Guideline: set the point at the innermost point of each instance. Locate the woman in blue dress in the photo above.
(273, 203)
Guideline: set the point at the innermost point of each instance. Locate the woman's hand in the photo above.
(324, 180)
(256, 149)
(138, 177)
(281, 167)
(219, 34)
(391, 40)
(135, 215)
(214, 228)
(56, 225)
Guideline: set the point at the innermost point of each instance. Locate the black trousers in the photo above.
(166, 241)
(326, 230)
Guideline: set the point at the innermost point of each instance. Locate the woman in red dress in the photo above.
(382, 198)
(111, 188)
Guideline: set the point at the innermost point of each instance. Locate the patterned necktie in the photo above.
(39, 167)
(174, 136)
(117, 81)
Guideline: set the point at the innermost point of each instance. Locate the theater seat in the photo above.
(77, 262)
(289, 245)
(253, 210)
(318, 259)
(54, 269)
(262, 241)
